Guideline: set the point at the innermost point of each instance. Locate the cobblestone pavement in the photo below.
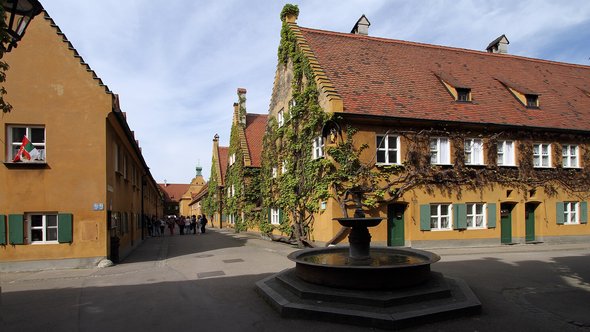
(206, 283)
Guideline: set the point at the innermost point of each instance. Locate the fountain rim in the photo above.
(430, 257)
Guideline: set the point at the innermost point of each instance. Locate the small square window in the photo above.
(463, 94)
(532, 101)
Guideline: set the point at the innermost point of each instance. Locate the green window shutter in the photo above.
(492, 215)
(268, 211)
(64, 228)
(459, 216)
(583, 212)
(425, 217)
(16, 229)
(281, 216)
(559, 213)
(2, 230)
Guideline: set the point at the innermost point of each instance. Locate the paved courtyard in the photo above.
(206, 283)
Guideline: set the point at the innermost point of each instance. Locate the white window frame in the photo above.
(274, 216)
(440, 152)
(437, 217)
(506, 153)
(231, 218)
(275, 172)
(318, 147)
(382, 142)
(284, 167)
(473, 215)
(44, 227)
(281, 117)
(571, 156)
(473, 151)
(571, 213)
(232, 159)
(14, 144)
(542, 156)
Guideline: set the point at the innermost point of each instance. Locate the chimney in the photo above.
(499, 45)
(165, 183)
(242, 106)
(362, 26)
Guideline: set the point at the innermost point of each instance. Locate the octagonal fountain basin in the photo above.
(386, 268)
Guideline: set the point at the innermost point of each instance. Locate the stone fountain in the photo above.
(381, 287)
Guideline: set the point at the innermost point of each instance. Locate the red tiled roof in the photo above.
(174, 191)
(384, 77)
(223, 159)
(255, 127)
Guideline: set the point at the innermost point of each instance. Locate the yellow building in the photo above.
(81, 198)
(451, 147)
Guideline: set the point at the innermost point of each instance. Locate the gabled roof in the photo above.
(173, 191)
(398, 79)
(255, 127)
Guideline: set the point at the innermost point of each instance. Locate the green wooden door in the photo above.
(505, 224)
(395, 225)
(530, 223)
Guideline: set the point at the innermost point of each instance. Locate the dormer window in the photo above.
(532, 101)
(457, 89)
(463, 94)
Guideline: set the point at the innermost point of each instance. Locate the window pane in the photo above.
(434, 210)
(433, 144)
(18, 133)
(37, 135)
(536, 149)
(381, 156)
(51, 234)
(51, 220)
(392, 157)
(392, 142)
(36, 221)
(479, 208)
(36, 235)
(479, 221)
(379, 142)
(444, 222)
(444, 210)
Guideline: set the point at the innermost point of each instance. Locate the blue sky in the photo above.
(177, 64)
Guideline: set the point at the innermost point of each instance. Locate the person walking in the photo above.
(203, 223)
(162, 225)
(187, 225)
(155, 226)
(171, 223)
(199, 223)
(194, 224)
(181, 225)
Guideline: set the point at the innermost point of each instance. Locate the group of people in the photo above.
(186, 225)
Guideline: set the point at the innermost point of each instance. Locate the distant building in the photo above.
(241, 198)
(75, 187)
(173, 196)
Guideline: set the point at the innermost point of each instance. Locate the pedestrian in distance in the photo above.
(181, 225)
(171, 224)
(155, 226)
(194, 224)
(199, 223)
(162, 225)
(203, 223)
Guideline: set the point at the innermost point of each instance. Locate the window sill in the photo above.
(31, 165)
(476, 165)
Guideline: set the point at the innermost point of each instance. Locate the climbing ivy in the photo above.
(210, 202)
(299, 189)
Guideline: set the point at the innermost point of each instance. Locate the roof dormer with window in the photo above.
(459, 91)
(526, 97)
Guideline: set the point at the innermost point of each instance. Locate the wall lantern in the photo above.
(19, 14)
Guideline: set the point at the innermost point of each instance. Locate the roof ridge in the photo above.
(65, 39)
(450, 48)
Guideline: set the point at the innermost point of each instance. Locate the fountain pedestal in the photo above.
(380, 287)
